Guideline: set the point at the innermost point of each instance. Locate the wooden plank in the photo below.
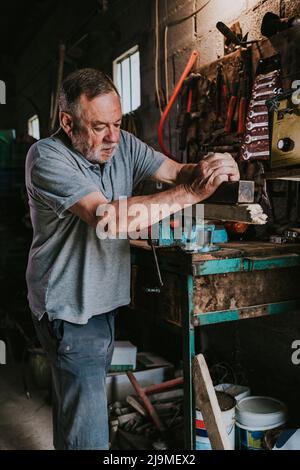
(233, 192)
(283, 174)
(248, 213)
(136, 405)
(206, 401)
(258, 248)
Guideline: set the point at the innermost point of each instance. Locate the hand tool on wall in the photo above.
(273, 24)
(188, 68)
(222, 91)
(186, 120)
(242, 105)
(219, 91)
(231, 36)
(255, 145)
(231, 107)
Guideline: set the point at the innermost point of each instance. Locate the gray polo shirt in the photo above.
(71, 273)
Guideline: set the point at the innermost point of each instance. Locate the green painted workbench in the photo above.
(243, 280)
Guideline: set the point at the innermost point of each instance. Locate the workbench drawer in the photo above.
(235, 291)
(229, 291)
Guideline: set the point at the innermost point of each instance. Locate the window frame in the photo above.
(30, 121)
(117, 62)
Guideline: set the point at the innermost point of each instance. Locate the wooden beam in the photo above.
(287, 174)
(207, 402)
(248, 213)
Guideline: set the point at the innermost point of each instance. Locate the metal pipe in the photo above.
(148, 405)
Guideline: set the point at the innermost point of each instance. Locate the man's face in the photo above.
(97, 132)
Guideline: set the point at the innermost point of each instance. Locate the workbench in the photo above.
(242, 280)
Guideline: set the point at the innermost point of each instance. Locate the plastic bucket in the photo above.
(227, 404)
(236, 391)
(254, 416)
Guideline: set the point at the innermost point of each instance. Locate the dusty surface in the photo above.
(25, 424)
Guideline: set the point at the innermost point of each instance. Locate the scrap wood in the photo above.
(248, 213)
(166, 396)
(128, 417)
(136, 405)
(206, 401)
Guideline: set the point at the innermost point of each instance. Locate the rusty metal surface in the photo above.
(237, 290)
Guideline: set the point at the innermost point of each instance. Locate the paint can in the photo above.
(254, 417)
(227, 405)
(236, 391)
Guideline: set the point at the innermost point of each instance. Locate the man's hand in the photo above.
(213, 170)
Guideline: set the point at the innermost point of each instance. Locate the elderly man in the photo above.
(76, 281)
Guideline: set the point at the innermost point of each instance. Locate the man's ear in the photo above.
(66, 122)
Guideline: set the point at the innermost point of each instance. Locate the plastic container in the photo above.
(227, 404)
(236, 391)
(124, 356)
(256, 415)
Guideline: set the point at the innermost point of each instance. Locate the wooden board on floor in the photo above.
(206, 401)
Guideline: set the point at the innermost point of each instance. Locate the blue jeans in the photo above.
(80, 356)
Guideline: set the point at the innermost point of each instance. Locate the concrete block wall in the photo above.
(124, 25)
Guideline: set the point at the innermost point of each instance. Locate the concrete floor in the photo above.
(25, 424)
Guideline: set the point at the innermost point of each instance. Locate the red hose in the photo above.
(190, 101)
(164, 116)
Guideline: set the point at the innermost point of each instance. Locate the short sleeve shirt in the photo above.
(72, 274)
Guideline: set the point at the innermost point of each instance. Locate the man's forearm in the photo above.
(140, 212)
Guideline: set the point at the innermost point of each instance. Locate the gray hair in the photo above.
(89, 82)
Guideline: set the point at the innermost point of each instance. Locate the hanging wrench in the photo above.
(264, 84)
(257, 103)
(255, 138)
(248, 155)
(274, 91)
(252, 114)
(252, 125)
(270, 75)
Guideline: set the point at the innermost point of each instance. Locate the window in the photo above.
(34, 127)
(126, 70)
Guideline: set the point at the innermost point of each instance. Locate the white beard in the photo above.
(91, 154)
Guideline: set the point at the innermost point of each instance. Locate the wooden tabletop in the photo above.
(228, 250)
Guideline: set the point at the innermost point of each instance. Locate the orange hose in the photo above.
(177, 88)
